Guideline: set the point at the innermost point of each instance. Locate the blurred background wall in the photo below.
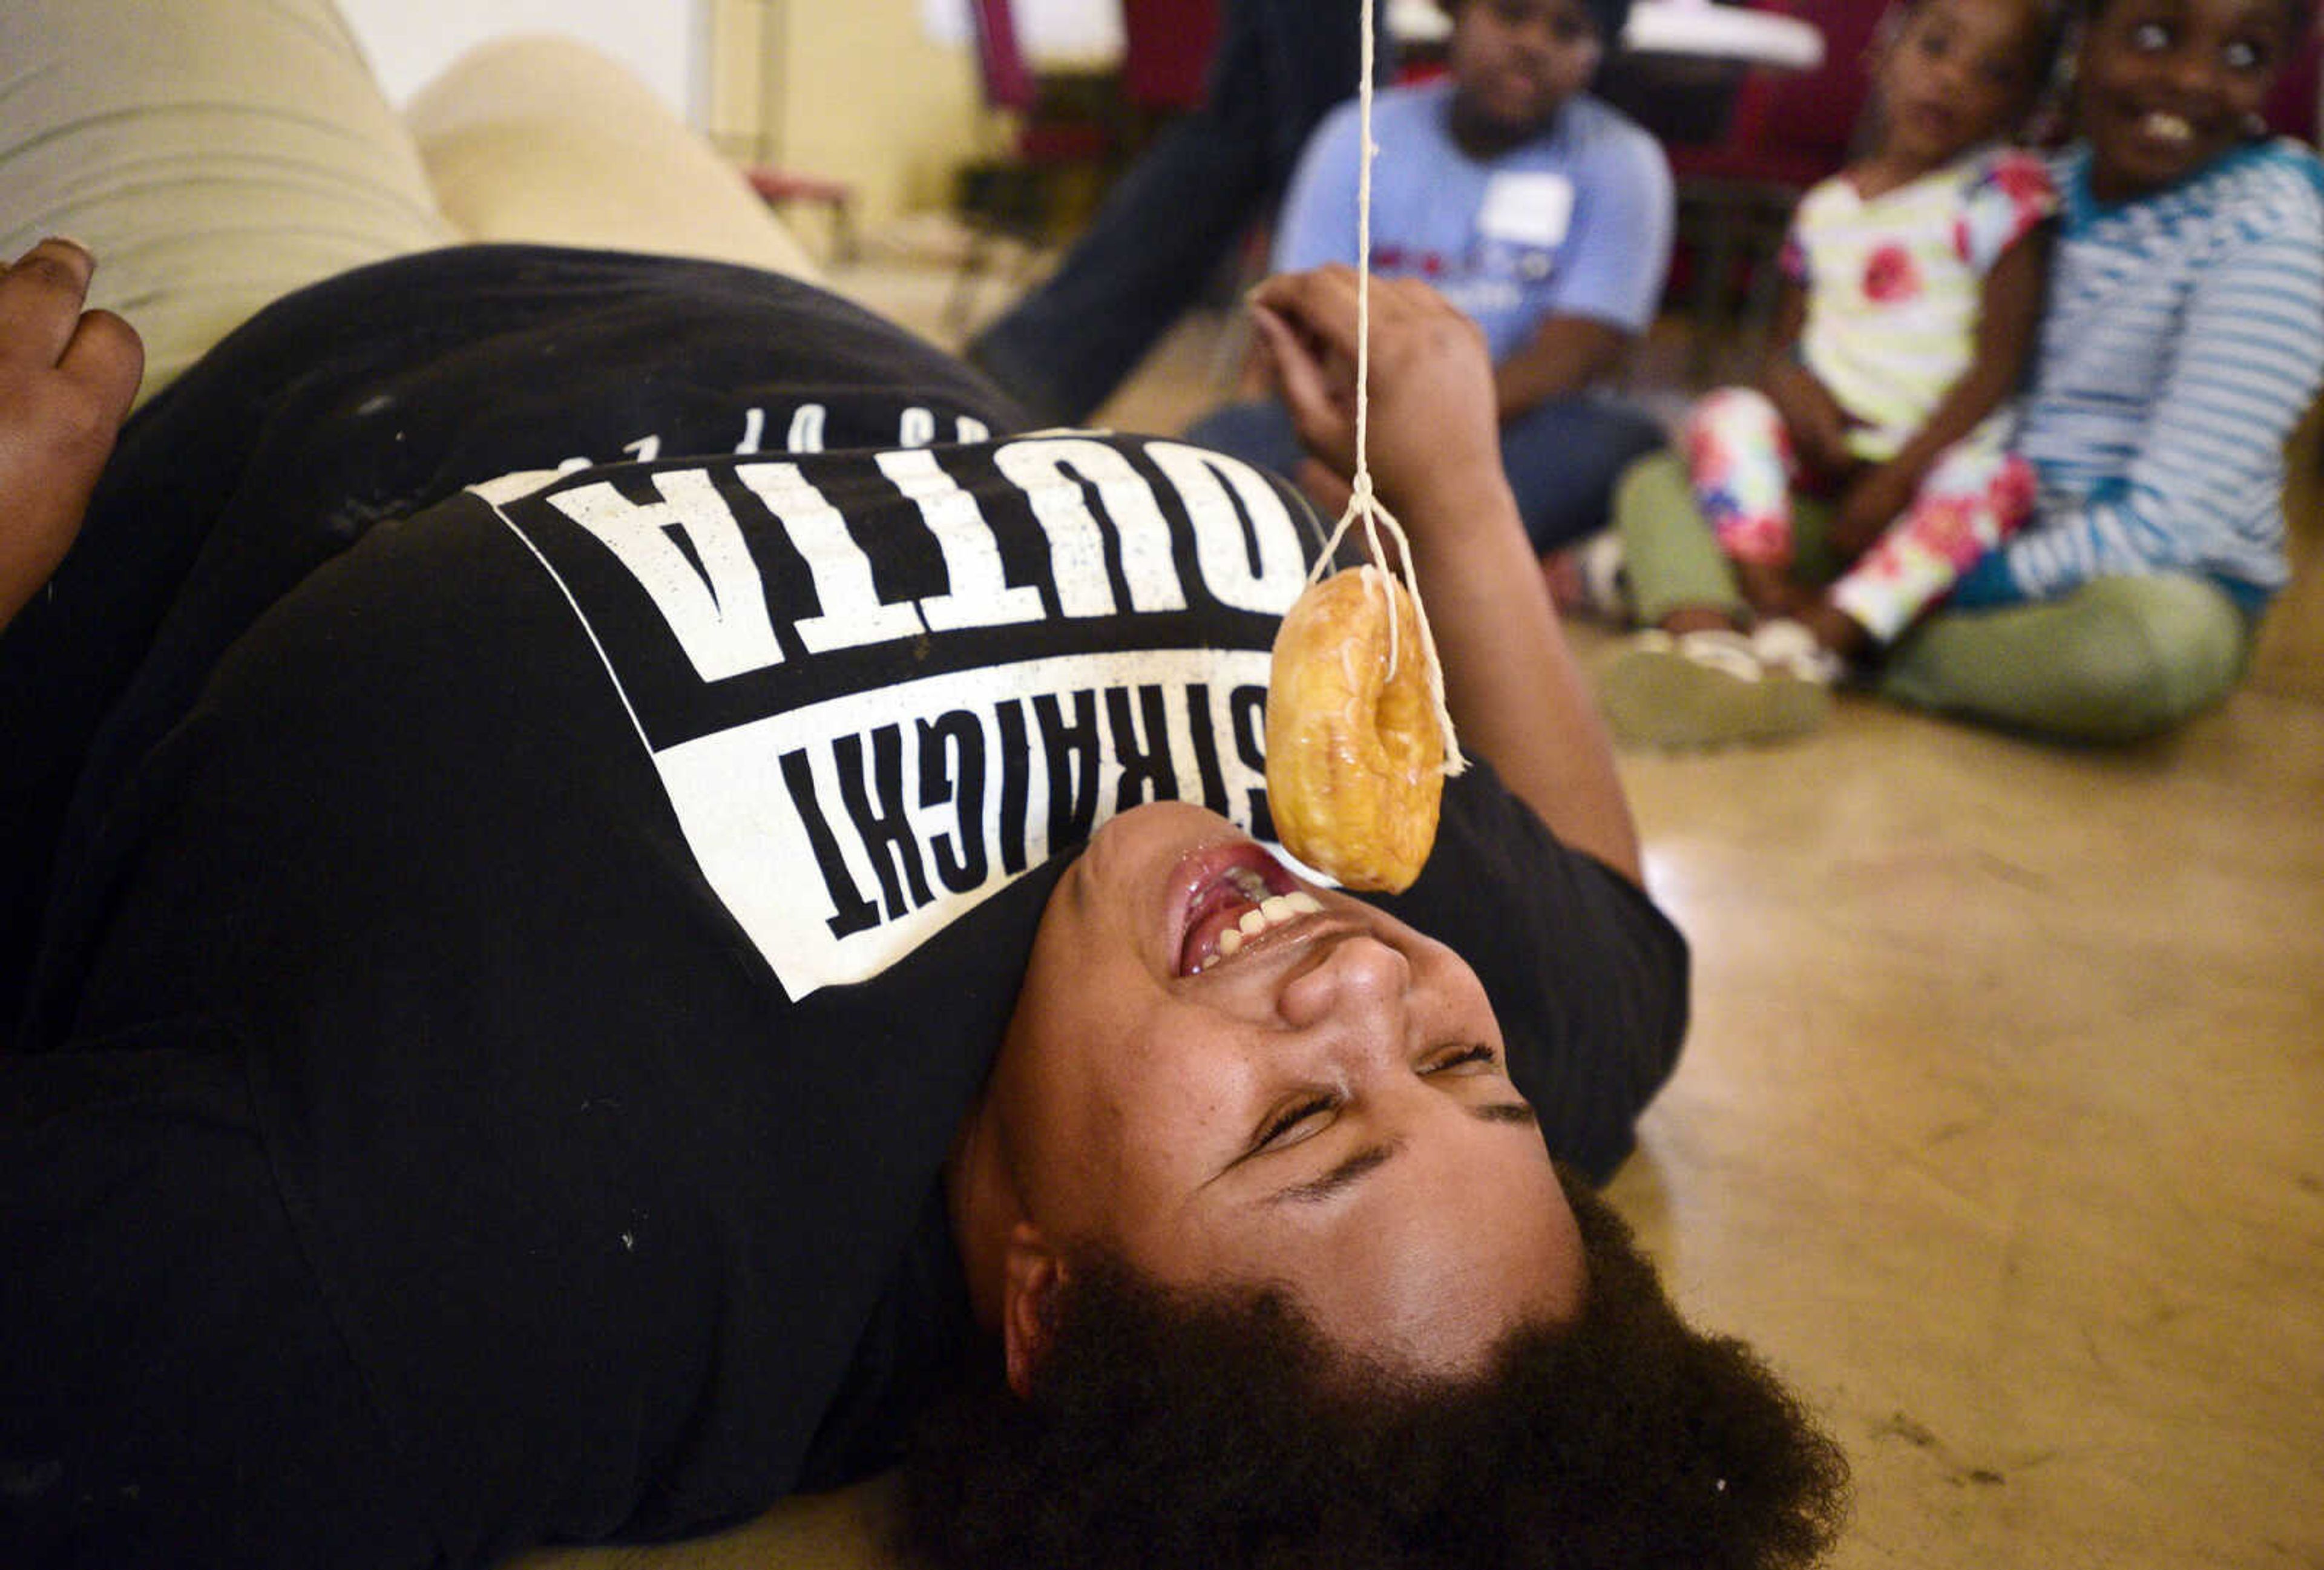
(880, 95)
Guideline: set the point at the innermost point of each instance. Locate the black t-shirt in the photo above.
(511, 981)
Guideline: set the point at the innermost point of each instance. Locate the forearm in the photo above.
(2008, 321)
(1565, 356)
(1983, 389)
(1510, 679)
(1812, 417)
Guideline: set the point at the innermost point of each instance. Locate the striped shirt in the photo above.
(2184, 338)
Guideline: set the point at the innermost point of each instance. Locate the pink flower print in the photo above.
(2025, 182)
(1947, 527)
(2011, 496)
(1706, 455)
(1889, 276)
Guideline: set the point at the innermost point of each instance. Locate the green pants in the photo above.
(2118, 659)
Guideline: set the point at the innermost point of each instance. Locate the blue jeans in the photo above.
(1561, 456)
(1167, 223)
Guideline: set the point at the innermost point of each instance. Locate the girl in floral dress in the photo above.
(1913, 284)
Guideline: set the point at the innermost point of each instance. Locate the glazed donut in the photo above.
(1355, 760)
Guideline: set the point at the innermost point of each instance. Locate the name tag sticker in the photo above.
(1527, 209)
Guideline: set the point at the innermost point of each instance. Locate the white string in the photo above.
(1362, 503)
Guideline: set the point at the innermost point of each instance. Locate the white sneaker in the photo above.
(1787, 646)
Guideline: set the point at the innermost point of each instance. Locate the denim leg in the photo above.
(1153, 244)
(1259, 432)
(1563, 457)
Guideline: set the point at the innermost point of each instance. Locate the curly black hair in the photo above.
(1205, 1431)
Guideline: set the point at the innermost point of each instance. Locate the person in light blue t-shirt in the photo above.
(1543, 213)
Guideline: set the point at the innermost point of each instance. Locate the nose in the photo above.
(2196, 72)
(1361, 986)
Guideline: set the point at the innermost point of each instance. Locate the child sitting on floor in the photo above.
(1540, 211)
(2182, 336)
(1913, 283)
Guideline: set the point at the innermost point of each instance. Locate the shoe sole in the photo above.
(1658, 698)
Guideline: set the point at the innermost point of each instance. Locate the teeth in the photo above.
(1253, 886)
(1272, 910)
(2168, 128)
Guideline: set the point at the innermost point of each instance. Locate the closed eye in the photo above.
(1310, 1114)
(1295, 1123)
(1475, 1057)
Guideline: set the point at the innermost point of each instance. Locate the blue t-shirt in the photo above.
(1576, 222)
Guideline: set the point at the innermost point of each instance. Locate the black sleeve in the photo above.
(1588, 978)
(172, 1390)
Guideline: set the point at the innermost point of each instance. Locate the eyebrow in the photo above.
(1371, 1158)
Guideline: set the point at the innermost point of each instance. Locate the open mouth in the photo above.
(1234, 896)
(2162, 126)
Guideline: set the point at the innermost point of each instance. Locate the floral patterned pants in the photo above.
(1977, 494)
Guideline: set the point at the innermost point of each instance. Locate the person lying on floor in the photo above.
(602, 968)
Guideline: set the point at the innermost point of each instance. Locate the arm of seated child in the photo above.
(67, 377)
(1813, 419)
(1566, 355)
(2009, 315)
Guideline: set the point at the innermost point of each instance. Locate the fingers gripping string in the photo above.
(1363, 502)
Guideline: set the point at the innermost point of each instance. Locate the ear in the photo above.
(1031, 1275)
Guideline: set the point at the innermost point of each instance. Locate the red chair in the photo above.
(1166, 53)
(778, 187)
(2291, 109)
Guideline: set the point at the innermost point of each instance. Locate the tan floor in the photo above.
(1999, 1126)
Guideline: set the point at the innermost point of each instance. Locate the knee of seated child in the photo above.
(2147, 654)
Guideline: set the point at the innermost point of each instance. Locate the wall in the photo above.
(1060, 32)
(858, 92)
(666, 42)
(855, 90)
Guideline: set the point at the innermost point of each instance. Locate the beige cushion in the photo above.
(543, 139)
